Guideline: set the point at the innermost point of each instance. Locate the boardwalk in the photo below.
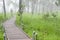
(13, 32)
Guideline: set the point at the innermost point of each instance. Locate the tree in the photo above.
(21, 8)
(33, 5)
(4, 8)
(57, 2)
(28, 4)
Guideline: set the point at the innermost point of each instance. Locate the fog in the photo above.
(14, 5)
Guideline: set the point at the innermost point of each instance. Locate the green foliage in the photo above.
(1, 29)
(1, 32)
(47, 29)
(18, 21)
(54, 15)
(2, 18)
(46, 15)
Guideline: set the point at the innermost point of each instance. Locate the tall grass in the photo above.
(47, 29)
(2, 19)
(1, 32)
(1, 28)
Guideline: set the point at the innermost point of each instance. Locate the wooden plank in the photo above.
(13, 32)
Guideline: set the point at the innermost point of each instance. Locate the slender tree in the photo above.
(57, 2)
(4, 8)
(33, 6)
(39, 6)
(21, 8)
(28, 5)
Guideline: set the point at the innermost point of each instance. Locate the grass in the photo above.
(47, 29)
(2, 19)
(1, 33)
(1, 28)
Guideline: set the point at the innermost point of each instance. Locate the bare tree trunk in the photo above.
(39, 10)
(28, 5)
(4, 8)
(39, 7)
(21, 11)
(33, 6)
(36, 6)
(20, 6)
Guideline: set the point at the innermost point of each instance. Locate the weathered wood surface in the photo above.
(13, 32)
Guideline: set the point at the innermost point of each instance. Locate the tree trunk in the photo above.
(4, 8)
(20, 11)
(28, 5)
(32, 7)
(20, 6)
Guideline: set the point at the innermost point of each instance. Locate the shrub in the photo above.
(54, 15)
(46, 15)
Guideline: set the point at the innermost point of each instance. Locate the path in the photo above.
(13, 32)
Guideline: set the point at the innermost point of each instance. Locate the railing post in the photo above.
(34, 36)
(4, 36)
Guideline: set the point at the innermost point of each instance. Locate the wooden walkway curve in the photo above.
(13, 32)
